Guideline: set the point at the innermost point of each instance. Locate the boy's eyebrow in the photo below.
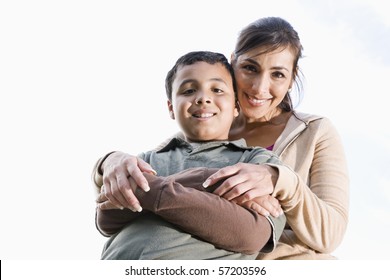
(219, 80)
(196, 81)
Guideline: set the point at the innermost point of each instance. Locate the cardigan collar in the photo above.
(297, 123)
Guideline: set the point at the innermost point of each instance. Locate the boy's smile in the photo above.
(203, 115)
(203, 101)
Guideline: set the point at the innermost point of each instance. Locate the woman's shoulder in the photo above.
(306, 117)
(313, 119)
(314, 122)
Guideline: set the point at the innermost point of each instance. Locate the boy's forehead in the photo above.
(202, 64)
(203, 70)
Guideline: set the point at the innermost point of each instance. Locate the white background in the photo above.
(82, 78)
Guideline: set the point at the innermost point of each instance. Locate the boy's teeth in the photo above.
(205, 115)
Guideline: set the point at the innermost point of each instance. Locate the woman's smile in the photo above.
(256, 101)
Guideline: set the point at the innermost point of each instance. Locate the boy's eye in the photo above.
(217, 90)
(188, 91)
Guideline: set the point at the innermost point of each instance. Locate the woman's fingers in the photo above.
(145, 167)
(221, 174)
(122, 173)
(135, 167)
(242, 181)
(119, 192)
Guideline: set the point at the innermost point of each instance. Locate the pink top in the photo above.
(270, 147)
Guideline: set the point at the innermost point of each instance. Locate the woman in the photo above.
(315, 197)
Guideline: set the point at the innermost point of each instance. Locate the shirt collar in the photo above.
(178, 142)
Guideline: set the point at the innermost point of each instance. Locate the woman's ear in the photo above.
(295, 75)
(170, 108)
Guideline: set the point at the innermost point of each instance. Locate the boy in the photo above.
(181, 219)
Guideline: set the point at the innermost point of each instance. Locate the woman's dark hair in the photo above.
(272, 33)
(193, 57)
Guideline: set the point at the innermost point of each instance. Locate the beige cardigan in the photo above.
(315, 198)
(315, 203)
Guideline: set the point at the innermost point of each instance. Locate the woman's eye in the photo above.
(278, 75)
(217, 90)
(250, 68)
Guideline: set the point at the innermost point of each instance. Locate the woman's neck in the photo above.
(259, 132)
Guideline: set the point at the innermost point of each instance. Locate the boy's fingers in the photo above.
(107, 191)
(107, 205)
(268, 207)
(101, 197)
(277, 208)
(256, 207)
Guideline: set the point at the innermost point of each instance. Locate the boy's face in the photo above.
(203, 101)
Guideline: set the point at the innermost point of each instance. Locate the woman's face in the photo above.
(263, 80)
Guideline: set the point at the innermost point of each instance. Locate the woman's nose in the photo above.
(261, 84)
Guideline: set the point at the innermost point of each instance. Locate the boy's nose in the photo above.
(202, 99)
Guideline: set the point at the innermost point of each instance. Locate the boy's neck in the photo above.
(200, 141)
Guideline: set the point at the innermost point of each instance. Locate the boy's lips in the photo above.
(203, 115)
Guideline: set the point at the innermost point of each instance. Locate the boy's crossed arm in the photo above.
(193, 209)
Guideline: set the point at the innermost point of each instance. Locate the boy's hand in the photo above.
(264, 205)
(103, 203)
(122, 174)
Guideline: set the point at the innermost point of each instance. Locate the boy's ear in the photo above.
(231, 57)
(170, 108)
(236, 109)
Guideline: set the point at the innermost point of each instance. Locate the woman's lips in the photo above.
(255, 101)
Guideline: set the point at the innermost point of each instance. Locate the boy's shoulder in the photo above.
(258, 155)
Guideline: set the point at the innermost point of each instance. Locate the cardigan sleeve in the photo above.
(316, 209)
(97, 175)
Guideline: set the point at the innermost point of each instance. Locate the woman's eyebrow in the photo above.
(273, 67)
(252, 61)
(280, 68)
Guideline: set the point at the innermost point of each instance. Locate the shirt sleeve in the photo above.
(109, 222)
(181, 200)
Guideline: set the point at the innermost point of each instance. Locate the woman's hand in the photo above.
(264, 205)
(122, 173)
(244, 181)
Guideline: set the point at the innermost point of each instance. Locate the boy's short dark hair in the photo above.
(193, 57)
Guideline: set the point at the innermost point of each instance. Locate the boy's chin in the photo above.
(206, 138)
